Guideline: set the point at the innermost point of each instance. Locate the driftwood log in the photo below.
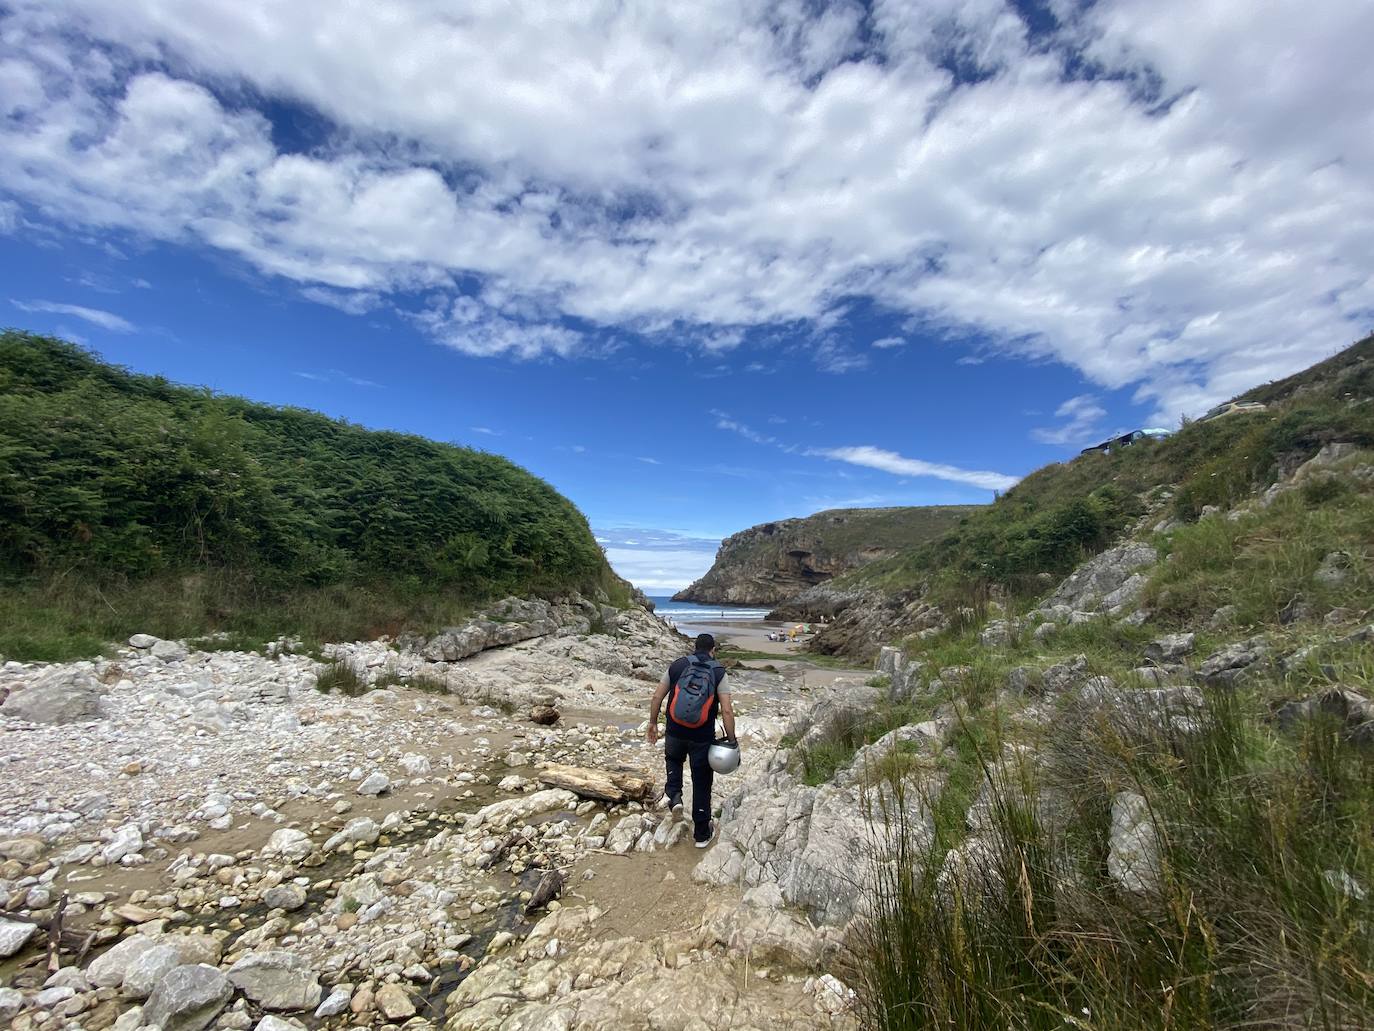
(55, 937)
(550, 887)
(601, 785)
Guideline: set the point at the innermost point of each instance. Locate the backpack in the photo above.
(695, 690)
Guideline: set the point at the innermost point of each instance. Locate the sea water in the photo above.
(685, 612)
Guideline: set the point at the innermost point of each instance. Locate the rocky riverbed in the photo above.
(199, 840)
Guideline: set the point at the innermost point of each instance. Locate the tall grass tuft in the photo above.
(1260, 913)
(340, 676)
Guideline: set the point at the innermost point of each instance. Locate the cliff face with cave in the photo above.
(771, 562)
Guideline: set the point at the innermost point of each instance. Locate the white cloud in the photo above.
(650, 461)
(95, 316)
(887, 343)
(355, 302)
(657, 561)
(725, 422)
(336, 376)
(690, 172)
(1081, 416)
(832, 356)
(899, 465)
(485, 430)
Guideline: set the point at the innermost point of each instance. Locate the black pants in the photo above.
(675, 750)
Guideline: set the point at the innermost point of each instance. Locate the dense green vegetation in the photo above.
(1060, 514)
(128, 503)
(1263, 915)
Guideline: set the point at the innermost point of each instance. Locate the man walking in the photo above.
(695, 699)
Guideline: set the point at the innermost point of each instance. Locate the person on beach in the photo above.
(695, 702)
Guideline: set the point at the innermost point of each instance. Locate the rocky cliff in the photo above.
(1113, 506)
(771, 562)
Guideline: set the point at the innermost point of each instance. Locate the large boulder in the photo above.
(150, 968)
(14, 936)
(1224, 667)
(277, 981)
(188, 998)
(1133, 850)
(839, 705)
(500, 815)
(169, 651)
(109, 970)
(288, 843)
(361, 831)
(284, 896)
(819, 846)
(1106, 582)
(1170, 647)
(508, 622)
(914, 739)
(127, 841)
(904, 677)
(58, 696)
(27, 849)
(1350, 709)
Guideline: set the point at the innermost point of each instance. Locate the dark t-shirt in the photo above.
(707, 731)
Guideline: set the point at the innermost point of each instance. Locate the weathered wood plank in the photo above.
(600, 785)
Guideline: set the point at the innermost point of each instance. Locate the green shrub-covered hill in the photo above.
(128, 503)
(1063, 513)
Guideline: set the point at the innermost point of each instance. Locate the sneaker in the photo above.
(675, 806)
(711, 833)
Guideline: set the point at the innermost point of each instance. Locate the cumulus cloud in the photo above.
(95, 316)
(899, 465)
(1081, 416)
(658, 561)
(1169, 196)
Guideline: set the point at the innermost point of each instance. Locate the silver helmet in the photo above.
(724, 756)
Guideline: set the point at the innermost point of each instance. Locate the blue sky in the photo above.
(699, 272)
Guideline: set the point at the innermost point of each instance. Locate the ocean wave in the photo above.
(704, 614)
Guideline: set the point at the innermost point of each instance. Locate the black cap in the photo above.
(705, 642)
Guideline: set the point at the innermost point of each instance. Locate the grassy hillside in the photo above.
(1257, 797)
(128, 504)
(1060, 514)
(839, 532)
(773, 561)
(1120, 836)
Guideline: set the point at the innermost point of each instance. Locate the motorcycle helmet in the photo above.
(724, 756)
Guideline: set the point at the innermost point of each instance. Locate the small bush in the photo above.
(821, 760)
(341, 677)
(428, 684)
